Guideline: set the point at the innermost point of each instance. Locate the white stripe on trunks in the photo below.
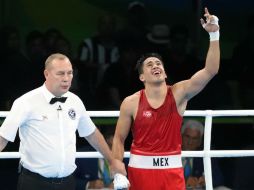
(155, 162)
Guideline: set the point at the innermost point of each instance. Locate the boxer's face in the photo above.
(153, 71)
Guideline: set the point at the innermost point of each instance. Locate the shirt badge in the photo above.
(147, 114)
(72, 114)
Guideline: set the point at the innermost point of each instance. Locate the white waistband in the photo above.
(155, 162)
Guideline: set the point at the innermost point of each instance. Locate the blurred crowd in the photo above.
(104, 63)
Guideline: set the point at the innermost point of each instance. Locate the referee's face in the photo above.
(59, 76)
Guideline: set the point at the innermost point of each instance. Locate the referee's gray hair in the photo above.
(193, 124)
(54, 56)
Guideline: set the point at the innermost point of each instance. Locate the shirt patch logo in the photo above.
(72, 114)
(147, 114)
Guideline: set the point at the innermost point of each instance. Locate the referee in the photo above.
(47, 118)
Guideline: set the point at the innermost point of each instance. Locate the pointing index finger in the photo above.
(207, 14)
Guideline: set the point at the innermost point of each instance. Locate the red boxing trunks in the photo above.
(156, 172)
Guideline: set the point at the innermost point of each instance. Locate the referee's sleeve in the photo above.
(86, 125)
(13, 121)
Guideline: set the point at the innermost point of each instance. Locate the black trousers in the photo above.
(32, 181)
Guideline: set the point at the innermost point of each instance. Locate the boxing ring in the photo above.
(206, 153)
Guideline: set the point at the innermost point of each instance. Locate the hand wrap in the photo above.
(213, 35)
(120, 181)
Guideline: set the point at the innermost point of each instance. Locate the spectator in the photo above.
(119, 80)
(95, 54)
(179, 55)
(158, 40)
(15, 66)
(192, 138)
(135, 29)
(36, 54)
(50, 37)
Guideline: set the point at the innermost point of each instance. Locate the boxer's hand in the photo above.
(211, 25)
(120, 181)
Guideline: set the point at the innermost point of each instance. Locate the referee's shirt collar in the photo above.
(48, 95)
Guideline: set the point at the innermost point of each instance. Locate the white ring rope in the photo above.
(211, 153)
(195, 113)
(207, 153)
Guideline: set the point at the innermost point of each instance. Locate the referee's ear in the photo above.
(45, 73)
